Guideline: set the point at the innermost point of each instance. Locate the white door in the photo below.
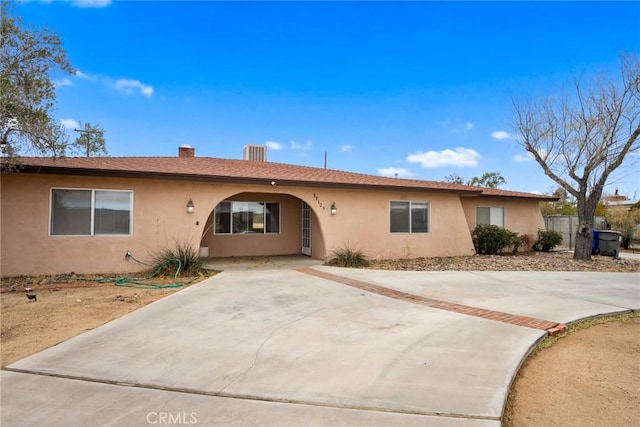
(306, 229)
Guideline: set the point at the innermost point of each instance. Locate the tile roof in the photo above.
(247, 171)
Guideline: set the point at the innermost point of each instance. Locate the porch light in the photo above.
(190, 206)
(334, 210)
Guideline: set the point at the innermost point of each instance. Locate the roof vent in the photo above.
(186, 151)
(255, 152)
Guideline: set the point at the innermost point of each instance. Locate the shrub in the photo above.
(547, 240)
(525, 242)
(348, 256)
(181, 260)
(624, 221)
(491, 239)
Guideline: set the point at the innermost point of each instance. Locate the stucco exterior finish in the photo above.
(520, 215)
(160, 220)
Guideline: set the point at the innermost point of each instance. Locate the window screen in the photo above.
(90, 212)
(488, 215)
(409, 217)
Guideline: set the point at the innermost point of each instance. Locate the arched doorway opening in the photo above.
(262, 224)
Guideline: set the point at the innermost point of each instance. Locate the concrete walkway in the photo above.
(281, 347)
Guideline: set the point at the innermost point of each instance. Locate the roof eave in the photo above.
(60, 170)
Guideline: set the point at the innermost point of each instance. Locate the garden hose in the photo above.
(141, 283)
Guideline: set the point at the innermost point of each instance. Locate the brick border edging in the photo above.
(552, 328)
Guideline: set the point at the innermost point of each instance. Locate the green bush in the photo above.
(547, 240)
(491, 239)
(348, 256)
(183, 258)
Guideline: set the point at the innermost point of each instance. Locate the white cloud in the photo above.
(272, 145)
(523, 159)
(296, 146)
(128, 86)
(90, 3)
(63, 82)
(500, 134)
(70, 123)
(396, 172)
(346, 148)
(536, 192)
(457, 125)
(82, 75)
(457, 157)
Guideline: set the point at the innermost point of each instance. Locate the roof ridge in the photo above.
(221, 168)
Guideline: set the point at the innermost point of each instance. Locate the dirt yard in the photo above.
(591, 377)
(588, 378)
(62, 311)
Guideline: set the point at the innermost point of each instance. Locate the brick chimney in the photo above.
(186, 151)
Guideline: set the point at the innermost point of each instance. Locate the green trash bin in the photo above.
(609, 243)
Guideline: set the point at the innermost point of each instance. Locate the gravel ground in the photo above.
(528, 261)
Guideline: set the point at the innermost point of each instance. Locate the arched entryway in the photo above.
(262, 224)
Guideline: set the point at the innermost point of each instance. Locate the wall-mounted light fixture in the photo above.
(334, 209)
(190, 206)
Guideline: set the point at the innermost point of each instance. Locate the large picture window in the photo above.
(90, 212)
(247, 218)
(409, 217)
(490, 216)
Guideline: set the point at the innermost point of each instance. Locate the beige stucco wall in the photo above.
(520, 215)
(363, 221)
(160, 220)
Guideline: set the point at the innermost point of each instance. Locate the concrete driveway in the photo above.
(285, 347)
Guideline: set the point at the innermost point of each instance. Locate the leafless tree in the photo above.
(580, 137)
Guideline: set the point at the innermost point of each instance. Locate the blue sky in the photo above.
(418, 89)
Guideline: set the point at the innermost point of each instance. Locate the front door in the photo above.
(306, 229)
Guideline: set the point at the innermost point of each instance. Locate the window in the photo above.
(247, 218)
(409, 217)
(90, 212)
(492, 216)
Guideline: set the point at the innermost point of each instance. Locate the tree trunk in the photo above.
(584, 236)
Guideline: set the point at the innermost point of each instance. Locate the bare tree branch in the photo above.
(583, 136)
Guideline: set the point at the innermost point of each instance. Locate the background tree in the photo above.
(90, 141)
(488, 179)
(580, 138)
(626, 221)
(454, 178)
(27, 93)
(564, 206)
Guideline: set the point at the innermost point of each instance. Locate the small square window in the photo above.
(490, 216)
(409, 217)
